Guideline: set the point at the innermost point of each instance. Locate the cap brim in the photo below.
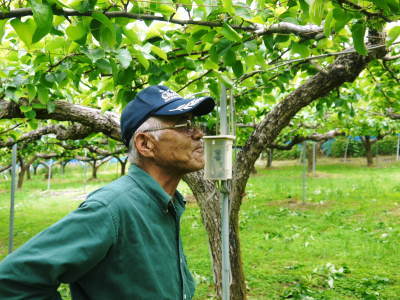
(197, 106)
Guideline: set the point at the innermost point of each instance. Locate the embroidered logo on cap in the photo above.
(187, 105)
(169, 95)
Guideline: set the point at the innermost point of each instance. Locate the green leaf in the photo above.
(165, 7)
(55, 43)
(316, 11)
(230, 33)
(394, 6)
(159, 52)
(103, 31)
(393, 34)
(39, 106)
(24, 30)
(2, 25)
(104, 20)
(43, 94)
(269, 41)
(301, 49)
(228, 6)
(107, 38)
(51, 107)
(30, 114)
(76, 32)
(141, 58)
(24, 108)
(33, 123)
(229, 58)
(341, 17)
(358, 33)
(225, 80)
(104, 66)
(95, 54)
(43, 16)
(124, 57)
(237, 68)
(328, 24)
(131, 35)
(31, 92)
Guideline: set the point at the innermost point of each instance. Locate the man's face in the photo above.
(179, 149)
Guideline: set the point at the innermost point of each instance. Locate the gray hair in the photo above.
(150, 123)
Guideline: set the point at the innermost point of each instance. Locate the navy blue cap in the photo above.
(159, 100)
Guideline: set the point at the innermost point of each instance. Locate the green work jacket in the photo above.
(122, 243)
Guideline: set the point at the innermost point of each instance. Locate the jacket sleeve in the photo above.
(60, 254)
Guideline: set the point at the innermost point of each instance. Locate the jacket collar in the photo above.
(149, 185)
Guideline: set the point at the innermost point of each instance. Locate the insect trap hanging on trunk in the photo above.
(218, 156)
(218, 148)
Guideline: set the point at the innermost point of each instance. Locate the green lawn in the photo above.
(342, 242)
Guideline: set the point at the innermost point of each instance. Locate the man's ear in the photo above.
(144, 144)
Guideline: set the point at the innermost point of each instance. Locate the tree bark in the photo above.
(368, 150)
(94, 169)
(309, 155)
(35, 166)
(2, 169)
(21, 174)
(28, 172)
(270, 155)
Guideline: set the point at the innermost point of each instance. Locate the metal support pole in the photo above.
(226, 270)
(226, 266)
(304, 171)
(12, 203)
(398, 147)
(49, 166)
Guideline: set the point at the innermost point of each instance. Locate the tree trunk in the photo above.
(63, 165)
(208, 199)
(21, 172)
(28, 172)
(21, 176)
(270, 154)
(35, 166)
(94, 169)
(309, 155)
(123, 166)
(368, 150)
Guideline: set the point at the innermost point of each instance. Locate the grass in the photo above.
(340, 243)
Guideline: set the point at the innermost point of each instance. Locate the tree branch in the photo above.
(194, 80)
(95, 119)
(388, 58)
(362, 10)
(391, 114)
(307, 31)
(73, 132)
(93, 149)
(12, 128)
(2, 169)
(316, 137)
(391, 73)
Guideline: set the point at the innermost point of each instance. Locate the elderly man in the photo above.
(123, 242)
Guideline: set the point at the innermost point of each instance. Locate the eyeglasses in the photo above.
(189, 127)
